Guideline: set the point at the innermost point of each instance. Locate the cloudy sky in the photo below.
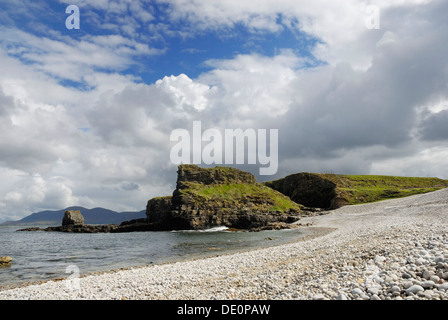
(353, 86)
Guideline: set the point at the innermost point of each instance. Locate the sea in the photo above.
(39, 256)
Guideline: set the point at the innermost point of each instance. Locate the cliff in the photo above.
(331, 191)
(220, 196)
(203, 198)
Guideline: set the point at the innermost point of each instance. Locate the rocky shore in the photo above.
(203, 199)
(390, 250)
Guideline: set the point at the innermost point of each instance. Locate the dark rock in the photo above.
(239, 208)
(31, 229)
(158, 212)
(203, 198)
(308, 189)
(72, 218)
(102, 228)
(134, 225)
(217, 175)
(276, 226)
(73, 222)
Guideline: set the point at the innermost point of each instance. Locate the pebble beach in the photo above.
(389, 250)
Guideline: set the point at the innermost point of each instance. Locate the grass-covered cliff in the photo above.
(255, 196)
(224, 196)
(335, 190)
(220, 196)
(355, 189)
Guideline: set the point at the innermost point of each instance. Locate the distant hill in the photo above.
(91, 216)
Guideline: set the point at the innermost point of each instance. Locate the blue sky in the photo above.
(178, 47)
(86, 115)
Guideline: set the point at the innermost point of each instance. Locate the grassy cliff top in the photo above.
(229, 188)
(253, 196)
(356, 189)
(331, 191)
(216, 175)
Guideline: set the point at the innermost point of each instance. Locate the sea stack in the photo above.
(73, 218)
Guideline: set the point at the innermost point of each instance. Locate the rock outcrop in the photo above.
(219, 175)
(223, 196)
(5, 261)
(220, 196)
(72, 218)
(309, 189)
(331, 191)
(203, 198)
(73, 221)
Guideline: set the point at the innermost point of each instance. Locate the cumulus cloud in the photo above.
(343, 108)
(28, 134)
(377, 104)
(66, 58)
(27, 192)
(250, 87)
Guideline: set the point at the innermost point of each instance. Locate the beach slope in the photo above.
(392, 249)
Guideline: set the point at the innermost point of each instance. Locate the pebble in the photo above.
(357, 291)
(435, 279)
(414, 289)
(428, 284)
(443, 286)
(395, 265)
(373, 290)
(341, 296)
(395, 289)
(427, 274)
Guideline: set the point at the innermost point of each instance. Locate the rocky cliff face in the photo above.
(203, 198)
(220, 196)
(309, 189)
(187, 174)
(331, 191)
(72, 218)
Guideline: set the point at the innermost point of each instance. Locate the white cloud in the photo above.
(70, 59)
(30, 192)
(252, 87)
(366, 111)
(188, 96)
(340, 26)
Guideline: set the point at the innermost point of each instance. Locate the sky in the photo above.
(86, 114)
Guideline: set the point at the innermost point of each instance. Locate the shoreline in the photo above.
(316, 232)
(393, 249)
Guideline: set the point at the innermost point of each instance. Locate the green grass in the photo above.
(232, 189)
(256, 196)
(356, 189)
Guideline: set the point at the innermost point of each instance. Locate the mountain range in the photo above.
(91, 216)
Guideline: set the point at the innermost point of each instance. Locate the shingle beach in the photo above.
(394, 249)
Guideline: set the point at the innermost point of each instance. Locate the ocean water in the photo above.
(41, 255)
